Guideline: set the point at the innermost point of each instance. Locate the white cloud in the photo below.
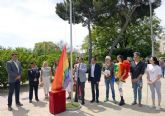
(24, 23)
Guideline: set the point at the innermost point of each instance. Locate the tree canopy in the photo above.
(43, 48)
(102, 12)
(135, 38)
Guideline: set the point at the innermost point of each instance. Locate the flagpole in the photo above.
(152, 39)
(71, 64)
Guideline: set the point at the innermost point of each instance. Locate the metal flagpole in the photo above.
(152, 39)
(71, 72)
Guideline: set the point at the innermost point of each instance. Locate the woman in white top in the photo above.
(46, 76)
(153, 77)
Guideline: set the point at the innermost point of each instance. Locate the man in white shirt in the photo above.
(94, 75)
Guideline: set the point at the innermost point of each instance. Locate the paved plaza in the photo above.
(41, 108)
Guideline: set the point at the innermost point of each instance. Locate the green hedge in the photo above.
(25, 57)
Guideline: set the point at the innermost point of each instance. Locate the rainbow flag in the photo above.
(122, 67)
(62, 75)
(119, 69)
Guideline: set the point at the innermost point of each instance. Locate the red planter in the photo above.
(57, 101)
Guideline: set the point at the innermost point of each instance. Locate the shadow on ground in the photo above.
(39, 104)
(143, 109)
(20, 112)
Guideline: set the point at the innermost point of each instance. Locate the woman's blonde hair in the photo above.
(44, 63)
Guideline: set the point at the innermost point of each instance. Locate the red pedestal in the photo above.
(57, 102)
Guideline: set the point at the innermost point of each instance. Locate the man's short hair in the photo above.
(94, 58)
(14, 53)
(137, 53)
(32, 63)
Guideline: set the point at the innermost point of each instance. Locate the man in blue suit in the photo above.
(33, 77)
(14, 76)
(94, 74)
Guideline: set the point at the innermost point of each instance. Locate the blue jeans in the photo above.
(137, 90)
(110, 83)
(14, 86)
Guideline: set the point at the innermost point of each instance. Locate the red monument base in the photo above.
(57, 101)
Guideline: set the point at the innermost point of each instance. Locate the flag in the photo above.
(119, 70)
(122, 68)
(127, 66)
(62, 76)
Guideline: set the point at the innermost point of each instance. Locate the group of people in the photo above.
(34, 73)
(118, 73)
(114, 72)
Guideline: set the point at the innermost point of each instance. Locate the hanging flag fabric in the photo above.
(119, 70)
(126, 64)
(122, 68)
(62, 76)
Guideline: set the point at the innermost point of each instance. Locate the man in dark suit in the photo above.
(94, 75)
(33, 77)
(13, 68)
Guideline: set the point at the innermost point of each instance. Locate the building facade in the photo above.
(162, 44)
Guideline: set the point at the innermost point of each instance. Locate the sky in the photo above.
(26, 22)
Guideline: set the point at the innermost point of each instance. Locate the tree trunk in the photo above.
(122, 30)
(90, 41)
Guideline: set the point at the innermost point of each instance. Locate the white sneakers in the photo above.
(158, 108)
(153, 106)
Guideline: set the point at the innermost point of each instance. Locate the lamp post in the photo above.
(152, 39)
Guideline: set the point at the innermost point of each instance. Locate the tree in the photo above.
(136, 38)
(99, 12)
(128, 11)
(85, 12)
(44, 48)
(1, 47)
(3, 73)
(26, 56)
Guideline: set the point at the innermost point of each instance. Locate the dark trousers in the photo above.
(95, 90)
(13, 86)
(31, 87)
(80, 85)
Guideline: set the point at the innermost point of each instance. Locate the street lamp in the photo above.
(152, 39)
